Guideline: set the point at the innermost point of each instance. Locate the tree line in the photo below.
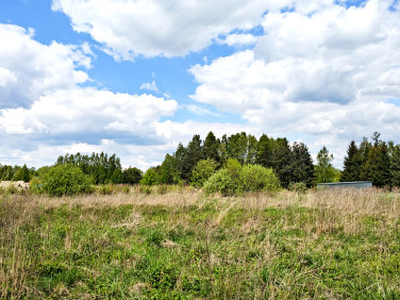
(376, 160)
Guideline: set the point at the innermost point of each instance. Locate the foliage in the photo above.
(222, 182)
(101, 168)
(302, 168)
(234, 178)
(210, 147)
(256, 178)
(299, 187)
(168, 170)
(324, 170)
(62, 180)
(149, 178)
(203, 170)
(395, 165)
(131, 176)
(264, 152)
(352, 165)
(22, 174)
(377, 166)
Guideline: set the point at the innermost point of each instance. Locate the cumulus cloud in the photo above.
(29, 69)
(329, 73)
(128, 28)
(89, 111)
(238, 39)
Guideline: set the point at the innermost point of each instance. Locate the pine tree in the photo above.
(22, 174)
(264, 152)
(395, 165)
(210, 147)
(302, 167)
(282, 160)
(168, 170)
(377, 166)
(353, 163)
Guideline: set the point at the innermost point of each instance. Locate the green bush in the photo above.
(149, 178)
(62, 180)
(235, 179)
(254, 178)
(299, 187)
(221, 182)
(105, 189)
(204, 169)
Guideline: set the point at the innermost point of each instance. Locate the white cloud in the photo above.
(87, 110)
(325, 74)
(201, 111)
(29, 69)
(239, 39)
(128, 28)
(150, 86)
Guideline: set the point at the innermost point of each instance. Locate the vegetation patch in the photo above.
(320, 244)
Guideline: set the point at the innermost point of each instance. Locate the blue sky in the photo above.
(135, 78)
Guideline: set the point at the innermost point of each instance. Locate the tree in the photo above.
(282, 161)
(377, 166)
(264, 152)
(395, 165)
(194, 153)
(168, 170)
(204, 169)
(353, 162)
(182, 162)
(210, 147)
(60, 180)
(131, 176)
(149, 178)
(116, 177)
(302, 168)
(22, 174)
(324, 170)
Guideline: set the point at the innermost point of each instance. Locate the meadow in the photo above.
(180, 244)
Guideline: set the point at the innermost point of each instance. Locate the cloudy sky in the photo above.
(136, 77)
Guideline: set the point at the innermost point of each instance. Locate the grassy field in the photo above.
(183, 245)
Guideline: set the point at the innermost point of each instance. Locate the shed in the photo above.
(340, 185)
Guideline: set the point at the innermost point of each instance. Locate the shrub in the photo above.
(256, 178)
(235, 179)
(204, 169)
(221, 182)
(105, 189)
(299, 187)
(62, 180)
(149, 178)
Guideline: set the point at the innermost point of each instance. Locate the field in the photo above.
(182, 245)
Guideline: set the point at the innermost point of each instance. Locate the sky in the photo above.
(137, 77)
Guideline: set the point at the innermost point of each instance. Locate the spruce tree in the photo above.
(302, 168)
(282, 161)
(210, 147)
(395, 166)
(264, 152)
(377, 166)
(352, 165)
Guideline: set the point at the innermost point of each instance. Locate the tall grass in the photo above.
(180, 244)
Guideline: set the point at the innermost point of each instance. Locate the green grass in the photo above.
(181, 245)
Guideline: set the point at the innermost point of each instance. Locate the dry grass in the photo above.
(321, 244)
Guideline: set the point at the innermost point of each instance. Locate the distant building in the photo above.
(340, 185)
